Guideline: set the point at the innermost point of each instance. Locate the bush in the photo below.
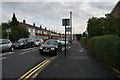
(83, 41)
(107, 49)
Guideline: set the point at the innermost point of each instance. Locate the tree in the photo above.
(102, 26)
(84, 34)
(14, 20)
(78, 36)
(17, 31)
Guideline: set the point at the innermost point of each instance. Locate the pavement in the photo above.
(77, 63)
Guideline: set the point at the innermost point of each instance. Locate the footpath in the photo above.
(77, 63)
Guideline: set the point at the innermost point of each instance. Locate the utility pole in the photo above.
(71, 25)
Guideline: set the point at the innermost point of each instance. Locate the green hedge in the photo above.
(107, 49)
(83, 41)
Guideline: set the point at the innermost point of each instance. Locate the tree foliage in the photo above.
(14, 20)
(102, 26)
(78, 36)
(17, 31)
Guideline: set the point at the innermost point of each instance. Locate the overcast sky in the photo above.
(50, 14)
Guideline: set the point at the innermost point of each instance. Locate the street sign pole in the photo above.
(65, 37)
(65, 22)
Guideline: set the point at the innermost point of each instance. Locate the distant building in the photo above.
(40, 32)
(116, 10)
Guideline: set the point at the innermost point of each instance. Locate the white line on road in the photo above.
(27, 51)
(10, 52)
(3, 54)
(3, 58)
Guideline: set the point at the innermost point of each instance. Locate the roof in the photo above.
(118, 3)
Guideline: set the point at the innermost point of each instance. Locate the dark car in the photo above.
(24, 43)
(5, 45)
(51, 47)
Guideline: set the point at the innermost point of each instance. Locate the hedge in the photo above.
(107, 49)
(83, 41)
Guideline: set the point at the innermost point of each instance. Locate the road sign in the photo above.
(65, 22)
(8, 30)
(68, 29)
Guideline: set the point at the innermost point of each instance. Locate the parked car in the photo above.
(24, 43)
(51, 46)
(38, 42)
(62, 40)
(6, 45)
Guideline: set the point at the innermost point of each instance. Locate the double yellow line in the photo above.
(33, 70)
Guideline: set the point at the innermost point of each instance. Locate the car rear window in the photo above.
(51, 42)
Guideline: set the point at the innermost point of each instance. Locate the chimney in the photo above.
(33, 24)
(45, 28)
(40, 26)
(24, 21)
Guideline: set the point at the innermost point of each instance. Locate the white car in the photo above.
(38, 42)
(5, 45)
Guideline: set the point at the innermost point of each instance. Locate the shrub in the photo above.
(83, 41)
(106, 48)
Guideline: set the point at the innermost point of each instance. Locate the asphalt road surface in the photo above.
(15, 64)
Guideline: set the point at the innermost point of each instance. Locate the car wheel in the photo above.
(32, 45)
(41, 53)
(39, 44)
(12, 49)
(25, 46)
(57, 52)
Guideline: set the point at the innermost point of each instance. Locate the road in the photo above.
(15, 64)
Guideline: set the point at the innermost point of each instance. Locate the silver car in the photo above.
(5, 45)
(38, 42)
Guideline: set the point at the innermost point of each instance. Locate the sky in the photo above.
(49, 13)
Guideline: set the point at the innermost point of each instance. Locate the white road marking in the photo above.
(10, 52)
(3, 54)
(3, 58)
(25, 52)
(26, 49)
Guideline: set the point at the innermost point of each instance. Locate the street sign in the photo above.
(68, 29)
(8, 30)
(65, 22)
